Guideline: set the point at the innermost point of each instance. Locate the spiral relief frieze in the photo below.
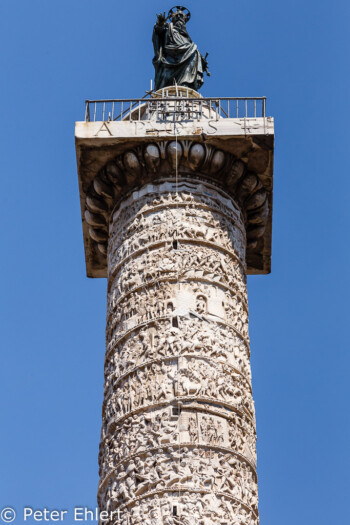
(178, 438)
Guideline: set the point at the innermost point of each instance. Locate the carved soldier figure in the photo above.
(192, 429)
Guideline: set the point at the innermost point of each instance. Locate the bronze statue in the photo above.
(177, 60)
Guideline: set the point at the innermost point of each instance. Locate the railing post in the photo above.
(87, 111)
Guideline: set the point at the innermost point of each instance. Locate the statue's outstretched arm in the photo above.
(161, 24)
(158, 35)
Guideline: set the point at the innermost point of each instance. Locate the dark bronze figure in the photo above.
(177, 60)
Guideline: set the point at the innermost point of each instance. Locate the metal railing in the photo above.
(170, 108)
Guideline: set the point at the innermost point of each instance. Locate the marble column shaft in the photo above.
(178, 436)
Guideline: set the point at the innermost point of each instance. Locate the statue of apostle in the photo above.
(177, 60)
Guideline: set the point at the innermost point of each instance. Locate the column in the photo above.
(178, 435)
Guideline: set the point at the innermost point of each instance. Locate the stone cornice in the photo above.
(153, 160)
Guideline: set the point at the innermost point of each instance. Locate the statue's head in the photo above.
(179, 13)
(179, 17)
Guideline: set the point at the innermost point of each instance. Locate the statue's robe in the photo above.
(177, 59)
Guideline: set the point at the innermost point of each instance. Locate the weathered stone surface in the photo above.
(178, 436)
(175, 217)
(106, 173)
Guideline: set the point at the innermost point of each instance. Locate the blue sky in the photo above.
(54, 55)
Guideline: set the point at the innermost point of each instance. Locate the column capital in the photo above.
(115, 158)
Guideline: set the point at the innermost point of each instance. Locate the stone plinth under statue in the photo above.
(175, 214)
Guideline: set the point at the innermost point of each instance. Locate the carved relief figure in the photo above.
(178, 435)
